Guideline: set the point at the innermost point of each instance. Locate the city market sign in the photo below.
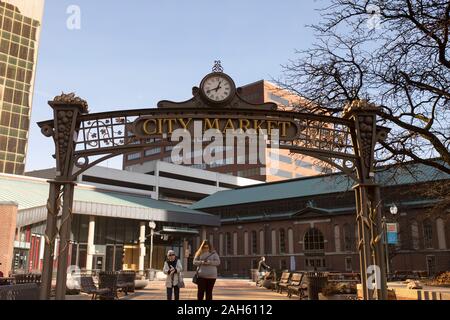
(152, 127)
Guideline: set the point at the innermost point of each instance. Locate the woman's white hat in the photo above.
(170, 252)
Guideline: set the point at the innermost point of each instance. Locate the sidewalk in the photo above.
(225, 289)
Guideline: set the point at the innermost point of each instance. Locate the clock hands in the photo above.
(216, 89)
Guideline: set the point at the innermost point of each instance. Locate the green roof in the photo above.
(318, 185)
(32, 193)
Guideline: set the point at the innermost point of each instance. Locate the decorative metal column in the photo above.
(53, 206)
(368, 203)
(64, 130)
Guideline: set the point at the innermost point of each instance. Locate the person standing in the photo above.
(206, 259)
(172, 268)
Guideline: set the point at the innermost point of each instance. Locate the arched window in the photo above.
(254, 242)
(246, 243)
(274, 241)
(349, 238)
(290, 241)
(228, 244)
(415, 234)
(235, 243)
(427, 234)
(440, 228)
(314, 240)
(282, 241)
(337, 238)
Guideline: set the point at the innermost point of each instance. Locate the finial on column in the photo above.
(70, 99)
(358, 105)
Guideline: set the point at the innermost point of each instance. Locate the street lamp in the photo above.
(394, 210)
(152, 226)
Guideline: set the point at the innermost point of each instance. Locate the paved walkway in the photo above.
(225, 289)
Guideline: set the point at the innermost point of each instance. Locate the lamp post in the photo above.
(394, 210)
(152, 226)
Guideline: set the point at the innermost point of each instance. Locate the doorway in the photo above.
(431, 265)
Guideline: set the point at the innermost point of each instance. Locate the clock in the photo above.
(217, 87)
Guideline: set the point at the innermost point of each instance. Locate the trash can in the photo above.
(316, 282)
(254, 275)
(151, 273)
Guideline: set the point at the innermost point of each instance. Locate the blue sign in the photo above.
(392, 238)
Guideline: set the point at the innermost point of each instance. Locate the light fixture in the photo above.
(393, 209)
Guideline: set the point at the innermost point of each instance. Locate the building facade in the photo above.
(288, 166)
(20, 25)
(111, 229)
(158, 180)
(309, 224)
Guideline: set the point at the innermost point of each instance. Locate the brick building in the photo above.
(289, 166)
(8, 216)
(309, 223)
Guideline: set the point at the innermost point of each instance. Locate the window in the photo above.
(415, 235)
(283, 264)
(337, 238)
(249, 172)
(303, 164)
(314, 240)
(348, 264)
(282, 241)
(278, 99)
(134, 156)
(427, 234)
(313, 263)
(282, 158)
(152, 152)
(228, 244)
(440, 228)
(283, 174)
(254, 242)
(349, 238)
(227, 265)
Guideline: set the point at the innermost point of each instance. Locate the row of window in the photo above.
(313, 241)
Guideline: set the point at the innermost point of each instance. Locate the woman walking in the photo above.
(206, 260)
(174, 281)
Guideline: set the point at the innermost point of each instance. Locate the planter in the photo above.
(337, 297)
(140, 284)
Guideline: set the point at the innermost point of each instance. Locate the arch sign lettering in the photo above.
(217, 113)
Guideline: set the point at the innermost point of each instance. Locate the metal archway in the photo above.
(83, 140)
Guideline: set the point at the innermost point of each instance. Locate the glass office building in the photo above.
(20, 23)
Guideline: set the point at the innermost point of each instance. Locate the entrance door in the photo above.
(98, 262)
(431, 265)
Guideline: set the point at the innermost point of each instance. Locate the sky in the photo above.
(132, 54)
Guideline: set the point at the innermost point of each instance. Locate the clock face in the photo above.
(217, 88)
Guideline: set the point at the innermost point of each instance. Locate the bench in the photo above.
(27, 278)
(88, 286)
(297, 285)
(284, 282)
(125, 281)
(28, 291)
(108, 280)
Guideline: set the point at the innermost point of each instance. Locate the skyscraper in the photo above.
(20, 24)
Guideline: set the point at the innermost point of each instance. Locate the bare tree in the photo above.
(393, 53)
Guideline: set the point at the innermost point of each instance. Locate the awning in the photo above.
(180, 231)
